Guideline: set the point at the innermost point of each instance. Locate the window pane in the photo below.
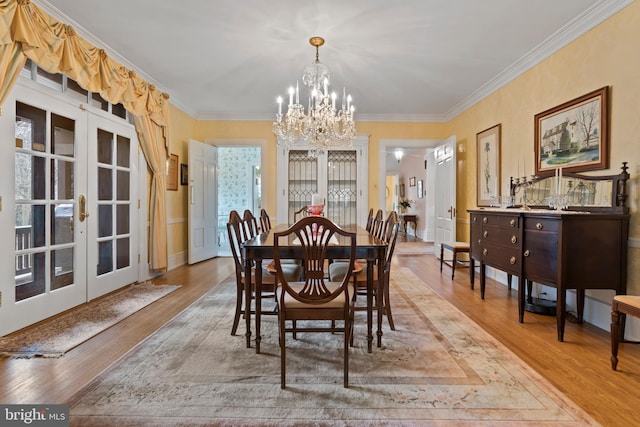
(30, 220)
(63, 135)
(62, 225)
(105, 221)
(35, 284)
(119, 110)
(105, 189)
(123, 219)
(61, 268)
(105, 147)
(123, 151)
(99, 101)
(105, 257)
(76, 91)
(123, 185)
(61, 180)
(122, 246)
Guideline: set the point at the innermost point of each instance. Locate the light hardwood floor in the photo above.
(579, 367)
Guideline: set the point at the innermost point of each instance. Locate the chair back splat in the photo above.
(251, 224)
(315, 298)
(265, 221)
(377, 227)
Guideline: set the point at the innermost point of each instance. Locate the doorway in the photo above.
(239, 186)
(74, 208)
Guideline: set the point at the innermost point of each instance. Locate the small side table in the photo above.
(412, 219)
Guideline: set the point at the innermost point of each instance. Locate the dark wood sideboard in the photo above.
(582, 247)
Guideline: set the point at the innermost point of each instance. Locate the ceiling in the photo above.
(406, 60)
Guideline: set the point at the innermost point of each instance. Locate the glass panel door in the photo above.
(113, 207)
(342, 187)
(303, 180)
(49, 255)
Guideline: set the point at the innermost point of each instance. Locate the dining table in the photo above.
(261, 247)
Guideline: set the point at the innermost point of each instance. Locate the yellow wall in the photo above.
(602, 57)
(181, 129)
(605, 56)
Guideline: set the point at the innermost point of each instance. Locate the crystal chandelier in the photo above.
(322, 126)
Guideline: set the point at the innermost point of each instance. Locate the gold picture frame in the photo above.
(488, 166)
(574, 135)
(172, 173)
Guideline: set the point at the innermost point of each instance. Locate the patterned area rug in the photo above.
(413, 248)
(438, 367)
(54, 337)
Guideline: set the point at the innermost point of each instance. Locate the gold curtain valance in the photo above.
(27, 32)
(56, 48)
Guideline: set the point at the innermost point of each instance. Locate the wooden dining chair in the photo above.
(238, 232)
(377, 224)
(338, 269)
(369, 220)
(620, 307)
(265, 221)
(315, 298)
(303, 212)
(251, 224)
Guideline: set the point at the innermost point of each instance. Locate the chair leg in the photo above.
(283, 354)
(347, 339)
(386, 303)
(236, 318)
(453, 263)
(617, 319)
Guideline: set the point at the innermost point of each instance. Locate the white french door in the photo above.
(112, 205)
(70, 200)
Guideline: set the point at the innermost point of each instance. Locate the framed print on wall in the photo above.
(412, 181)
(184, 174)
(488, 147)
(574, 135)
(401, 190)
(172, 173)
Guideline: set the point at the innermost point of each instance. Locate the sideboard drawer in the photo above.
(506, 221)
(500, 236)
(507, 259)
(541, 224)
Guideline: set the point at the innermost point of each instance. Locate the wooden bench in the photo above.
(455, 248)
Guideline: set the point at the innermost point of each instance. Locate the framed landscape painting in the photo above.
(574, 135)
(488, 146)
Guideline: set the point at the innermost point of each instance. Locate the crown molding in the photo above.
(82, 32)
(590, 18)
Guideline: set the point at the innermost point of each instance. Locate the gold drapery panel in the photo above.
(27, 32)
(152, 139)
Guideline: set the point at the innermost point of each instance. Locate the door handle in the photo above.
(82, 206)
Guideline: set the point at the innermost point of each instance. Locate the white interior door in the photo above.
(112, 205)
(203, 199)
(43, 271)
(70, 199)
(445, 196)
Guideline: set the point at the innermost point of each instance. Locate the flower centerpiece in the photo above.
(405, 204)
